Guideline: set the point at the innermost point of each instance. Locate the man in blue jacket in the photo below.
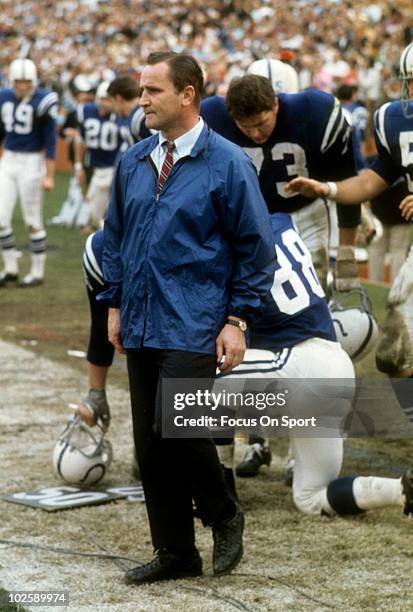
(188, 258)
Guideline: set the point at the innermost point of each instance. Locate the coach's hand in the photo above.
(231, 344)
(114, 329)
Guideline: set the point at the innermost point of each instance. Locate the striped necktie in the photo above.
(167, 165)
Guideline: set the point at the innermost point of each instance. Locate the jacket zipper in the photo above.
(145, 293)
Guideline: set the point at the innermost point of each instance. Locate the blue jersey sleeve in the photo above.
(384, 165)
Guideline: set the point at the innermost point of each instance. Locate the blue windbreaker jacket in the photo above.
(176, 265)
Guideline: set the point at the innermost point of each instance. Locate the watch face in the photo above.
(243, 326)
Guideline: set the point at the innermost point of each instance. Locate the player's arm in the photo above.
(79, 152)
(48, 179)
(48, 110)
(354, 190)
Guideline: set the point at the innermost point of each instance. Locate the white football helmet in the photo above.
(81, 457)
(354, 323)
(23, 69)
(406, 75)
(283, 77)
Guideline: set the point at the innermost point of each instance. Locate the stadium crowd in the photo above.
(327, 42)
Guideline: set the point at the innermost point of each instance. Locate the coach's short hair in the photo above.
(249, 95)
(125, 87)
(183, 69)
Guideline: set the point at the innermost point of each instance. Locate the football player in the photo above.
(124, 93)
(294, 326)
(27, 116)
(288, 135)
(393, 130)
(94, 407)
(100, 136)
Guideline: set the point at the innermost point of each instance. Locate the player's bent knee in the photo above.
(309, 501)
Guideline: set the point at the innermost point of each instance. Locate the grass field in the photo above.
(292, 562)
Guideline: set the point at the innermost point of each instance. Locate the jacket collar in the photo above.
(146, 146)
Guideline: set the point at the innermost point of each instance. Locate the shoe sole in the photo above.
(233, 565)
(29, 285)
(178, 576)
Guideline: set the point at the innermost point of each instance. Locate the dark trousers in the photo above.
(100, 351)
(174, 471)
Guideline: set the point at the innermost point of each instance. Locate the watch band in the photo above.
(240, 324)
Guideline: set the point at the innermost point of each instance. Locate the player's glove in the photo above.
(345, 270)
(97, 408)
(403, 283)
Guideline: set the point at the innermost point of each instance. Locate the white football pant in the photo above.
(313, 224)
(318, 460)
(20, 177)
(394, 242)
(98, 195)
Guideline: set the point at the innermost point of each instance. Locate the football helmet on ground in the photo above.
(354, 323)
(82, 456)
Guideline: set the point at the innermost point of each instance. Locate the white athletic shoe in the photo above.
(30, 281)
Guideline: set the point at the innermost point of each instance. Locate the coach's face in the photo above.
(160, 101)
(259, 127)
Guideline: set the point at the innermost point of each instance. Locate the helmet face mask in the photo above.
(354, 323)
(82, 455)
(406, 76)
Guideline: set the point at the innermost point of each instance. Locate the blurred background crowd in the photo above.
(329, 42)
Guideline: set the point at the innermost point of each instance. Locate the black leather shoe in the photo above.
(228, 543)
(165, 566)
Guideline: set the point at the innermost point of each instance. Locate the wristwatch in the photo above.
(241, 324)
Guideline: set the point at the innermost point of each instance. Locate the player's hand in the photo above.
(307, 187)
(47, 183)
(231, 344)
(406, 207)
(114, 334)
(71, 133)
(403, 283)
(80, 176)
